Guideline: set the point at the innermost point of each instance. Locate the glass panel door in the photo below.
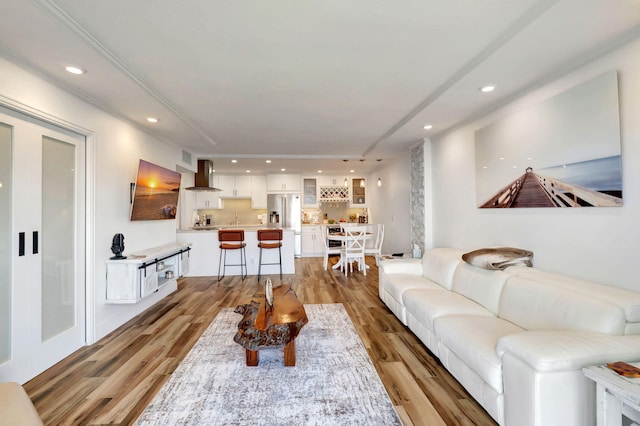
(42, 236)
(58, 230)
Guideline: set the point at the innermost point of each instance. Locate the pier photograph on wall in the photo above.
(562, 152)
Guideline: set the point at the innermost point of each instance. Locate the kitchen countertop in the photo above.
(215, 228)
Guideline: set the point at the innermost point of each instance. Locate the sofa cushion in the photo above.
(427, 305)
(401, 266)
(473, 339)
(536, 305)
(439, 265)
(480, 285)
(397, 284)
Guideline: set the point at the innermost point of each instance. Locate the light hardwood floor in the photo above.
(113, 380)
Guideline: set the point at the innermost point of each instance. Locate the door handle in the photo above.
(21, 244)
(34, 240)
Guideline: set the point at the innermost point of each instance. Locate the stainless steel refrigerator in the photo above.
(283, 211)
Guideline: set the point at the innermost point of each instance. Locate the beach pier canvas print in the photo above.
(156, 193)
(564, 152)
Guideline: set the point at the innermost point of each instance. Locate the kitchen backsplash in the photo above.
(249, 216)
(332, 212)
(227, 215)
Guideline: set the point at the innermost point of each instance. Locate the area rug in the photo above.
(333, 382)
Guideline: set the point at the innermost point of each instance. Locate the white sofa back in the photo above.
(439, 265)
(628, 300)
(534, 305)
(483, 286)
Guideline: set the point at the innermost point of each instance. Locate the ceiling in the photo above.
(307, 84)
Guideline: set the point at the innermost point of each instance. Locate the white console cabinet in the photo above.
(141, 274)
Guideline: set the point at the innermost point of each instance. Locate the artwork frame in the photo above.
(562, 152)
(155, 193)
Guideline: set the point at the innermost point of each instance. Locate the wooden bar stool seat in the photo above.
(270, 239)
(232, 239)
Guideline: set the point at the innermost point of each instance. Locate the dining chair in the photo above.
(376, 249)
(328, 250)
(353, 248)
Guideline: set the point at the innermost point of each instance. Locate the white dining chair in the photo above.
(328, 250)
(376, 249)
(353, 248)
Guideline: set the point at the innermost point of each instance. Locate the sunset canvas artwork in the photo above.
(156, 193)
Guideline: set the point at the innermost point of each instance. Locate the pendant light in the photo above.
(379, 182)
(362, 183)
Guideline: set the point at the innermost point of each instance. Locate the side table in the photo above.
(616, 395)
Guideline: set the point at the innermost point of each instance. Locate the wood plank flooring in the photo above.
(113, 380)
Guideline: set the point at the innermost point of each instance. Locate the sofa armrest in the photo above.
(402, 266)
(562, 350)
(15, 406)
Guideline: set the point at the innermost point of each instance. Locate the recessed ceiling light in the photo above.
(283, 170)
(427, 127)
(268, 161)
(487, 89)
(501, 158)
(74, 70)
(248, 171)
(319, 171)
(234, 161)
(152, 120)
(352, 171)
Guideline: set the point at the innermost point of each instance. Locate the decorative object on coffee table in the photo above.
(268, 293)
(262, 327)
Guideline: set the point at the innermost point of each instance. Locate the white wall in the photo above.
(390, 203)
(115, 148)
(592, 243)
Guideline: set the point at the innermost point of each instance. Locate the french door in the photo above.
(42, 245)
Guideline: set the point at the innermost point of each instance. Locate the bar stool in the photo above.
(232, 239)
(270, 239)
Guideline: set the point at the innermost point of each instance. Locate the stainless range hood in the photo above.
(203, 177)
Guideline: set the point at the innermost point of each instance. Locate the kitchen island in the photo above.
(205, 252)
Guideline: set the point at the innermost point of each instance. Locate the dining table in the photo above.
(343, 238)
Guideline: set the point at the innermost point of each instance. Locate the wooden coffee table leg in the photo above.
(252, 358)
(290, 354)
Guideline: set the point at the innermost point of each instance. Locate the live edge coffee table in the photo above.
(277, 326)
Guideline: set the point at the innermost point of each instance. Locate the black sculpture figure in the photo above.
(117, 247)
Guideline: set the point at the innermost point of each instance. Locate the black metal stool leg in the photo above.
(220, 264)
(243, 263)
(259, 264)
(280, 259)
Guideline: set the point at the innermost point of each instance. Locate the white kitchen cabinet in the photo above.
(142, 274)
(311, 241)
(258, 192)
(309, 192)
(330, 180)
(358, 192)
(207, 200)
(283, 183)
(234, 186)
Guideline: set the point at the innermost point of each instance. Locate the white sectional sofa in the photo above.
(517, 339)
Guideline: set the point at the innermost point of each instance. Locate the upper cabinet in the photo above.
(258, 192)
(358, 192)
(309, 192)
(283, 183)
(330, 181)
(234, 186)
(208, 199)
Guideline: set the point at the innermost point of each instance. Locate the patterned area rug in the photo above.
(333, 382)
